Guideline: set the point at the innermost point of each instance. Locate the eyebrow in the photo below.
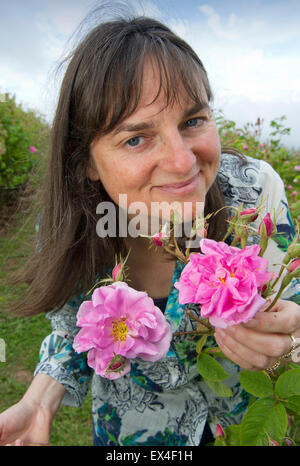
(135, 127)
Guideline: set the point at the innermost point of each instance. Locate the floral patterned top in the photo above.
(167, 402)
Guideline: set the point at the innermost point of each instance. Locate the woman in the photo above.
(134, 118)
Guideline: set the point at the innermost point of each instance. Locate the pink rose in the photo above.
(32, 149)
(245, 147)
(120, 321)
(294, 193)
(225, 280)
(297, 168)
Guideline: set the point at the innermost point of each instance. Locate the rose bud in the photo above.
(273, 443)
(219, 431)
(249, 215)
(294, 265)
(268, 224)
(157, 239)
(293, 251)
(117, 272)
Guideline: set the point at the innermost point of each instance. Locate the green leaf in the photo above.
(293, 403)
(233, 435)
(293, 365)
(220, 442)
(219, 388)
(265, 418)
(257, 383)
(210, 369)
(216, 353)
(288, 384)
(200, 343)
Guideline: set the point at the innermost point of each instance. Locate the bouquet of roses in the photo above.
(230, 283)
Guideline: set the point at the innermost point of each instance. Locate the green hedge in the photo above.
(23, 136)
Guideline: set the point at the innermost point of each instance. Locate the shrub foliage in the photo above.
(23, 137)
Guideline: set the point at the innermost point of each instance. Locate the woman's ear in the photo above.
(91, 171)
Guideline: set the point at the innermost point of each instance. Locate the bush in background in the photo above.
(23, 137)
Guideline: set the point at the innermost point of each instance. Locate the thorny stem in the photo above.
(202, 322)
(188, 248)
(178, 254)
(282, 288)
(279, 275)
(234, 241)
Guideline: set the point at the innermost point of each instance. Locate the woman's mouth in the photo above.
(184, 187)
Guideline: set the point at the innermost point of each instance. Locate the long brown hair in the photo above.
(101, 87)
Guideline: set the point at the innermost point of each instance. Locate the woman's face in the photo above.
(158, 154)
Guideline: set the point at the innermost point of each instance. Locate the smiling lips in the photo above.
(181, 188)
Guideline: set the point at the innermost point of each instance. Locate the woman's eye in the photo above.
(194, 122)
(134, 142)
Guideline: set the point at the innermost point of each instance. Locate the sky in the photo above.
(250, 49)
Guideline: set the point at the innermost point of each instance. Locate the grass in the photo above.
(23, 337)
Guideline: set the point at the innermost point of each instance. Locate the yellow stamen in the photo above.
(223, 280)
(119, 329)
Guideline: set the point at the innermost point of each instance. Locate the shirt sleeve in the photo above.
(59, 360)
(274, 200)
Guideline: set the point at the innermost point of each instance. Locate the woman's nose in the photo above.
(177, 155)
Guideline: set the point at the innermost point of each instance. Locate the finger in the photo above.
(272, 345)
(18, 443)
(241, 355)
(284, 317)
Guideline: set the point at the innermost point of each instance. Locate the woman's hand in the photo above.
(25, 423)
(262, 341)
(29, 421)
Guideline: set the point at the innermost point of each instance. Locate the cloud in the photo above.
(251, 59)
(147, 8)
(214, 22)
(65, 16)
(251, 52)
(179, 26)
